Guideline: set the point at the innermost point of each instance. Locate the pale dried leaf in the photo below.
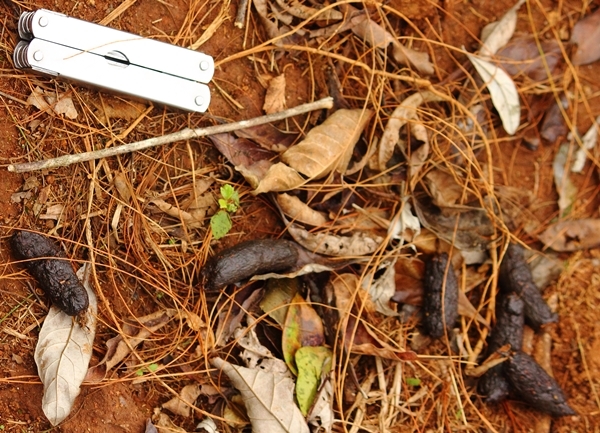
(22, 195)
(275, 97)
(310, 268)
(588, 142)
(164, 424)
(53, 212)
(116, 108)
(279, 177)
(567, 191)
(36, 98)
(406, 112)
(359, 244)
(182, 404)
(65, 106)
(269, 398)
(382, 289)
(572, 235)
(329, 146)
(466, 308)
(300, 212)
(503, 92)
(121, 184)
(404, 226)
(408, 56)
(445, 191)
(499, 32)
(295, 8)
(586, 34)
(62, 354)
(321, 415)
(208, 425)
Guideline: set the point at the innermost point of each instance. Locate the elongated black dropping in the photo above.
(248, 259)
(515, 276)
(48, 264)
(439, 314)
(508, 329)
(533, 385)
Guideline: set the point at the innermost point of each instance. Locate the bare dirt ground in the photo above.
(144, 270)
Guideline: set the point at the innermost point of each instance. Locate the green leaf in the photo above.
(153, 367)
(413, 381)
(312, 363)
(220, 223)
(228, 192)
(278, 296)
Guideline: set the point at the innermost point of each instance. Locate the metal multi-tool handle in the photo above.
(58, 45)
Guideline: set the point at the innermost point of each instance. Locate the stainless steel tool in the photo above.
(65, 47)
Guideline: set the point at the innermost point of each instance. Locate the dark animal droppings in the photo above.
(248, 259)
(493, 385)
(515, 277)
(439, 314)
(47, 263)
(536, 387)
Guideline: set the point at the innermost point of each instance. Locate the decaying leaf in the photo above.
(52, 103)
(382, 289)
(163, 423)
(586, 34)
(554, 126)
(240, 151)
(495, 35)
(191, 220)
(277, 298)
(445, 191)
(182, 404)
(527, 56)
(404, 226)
(588, 142)
(359, 244)
(567, 191)
(300, 212)
(313, 363)
(329, 146)
(406, 112)
(117, 108)
(268, 397)
(572, 235)
(297, 9)
(133, 334)
(303, 327)
(321, 415)
(62, 355)
(275, 97)
(376, 36)
(503, 92)
(53, 212)
(279, 177)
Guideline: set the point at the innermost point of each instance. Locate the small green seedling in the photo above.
(150, 369)
(413, 381)
(220, 223)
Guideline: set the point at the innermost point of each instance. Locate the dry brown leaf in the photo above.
(51, 103)
(275, 97)
(495, 35)
(65, 106)
(191, 220)
(240, 151)
(361, 340)
(279, 177)
(295, 8)
(466, 309)
(572, 235)
(522, 57)
(329, 146)
(359, 244)
(409, 281)
(182, 404)
(53, 212)
(586, 34)
(406, 112)
(444, 189)
(300, 212)
(376, 36)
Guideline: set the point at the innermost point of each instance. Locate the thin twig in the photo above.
(186, 134)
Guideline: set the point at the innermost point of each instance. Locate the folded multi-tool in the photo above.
(65, 47)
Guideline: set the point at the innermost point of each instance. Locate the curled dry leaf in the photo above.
(279, 177)
(554, 125)
(62, 355)
(275, 97)
(240, 151)
(329, 146)
(495, 35)
(321, 415)
(404, 226)
(297, 9)
(406, 112)
(268, 397)
(586, 34)
(588, 142)
(522, 56)
(359, 244)
(503, 92)
(52, 103)
(300, 212)
(191, 220)
(567, 191)
(382, 289)
(572, 235)
(182, 404)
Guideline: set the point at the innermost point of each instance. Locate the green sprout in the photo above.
(220, 223)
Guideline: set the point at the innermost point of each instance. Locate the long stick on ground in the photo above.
(186, 134)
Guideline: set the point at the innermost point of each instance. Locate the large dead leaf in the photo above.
(279, 177)
(62, 355)
(275, 97)
(405, 113)
(359, 244)
(297, 9)
(525, 55)
(194, 219)
(182, 404)
(503, 92)
(329, 146)
(269, 398)
(495, 35)
(240, 151)
(382, 289)
(52, 103)
(572, 235)
(300, 212)
(586, 34)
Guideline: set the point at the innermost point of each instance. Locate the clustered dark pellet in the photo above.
(440, 297)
